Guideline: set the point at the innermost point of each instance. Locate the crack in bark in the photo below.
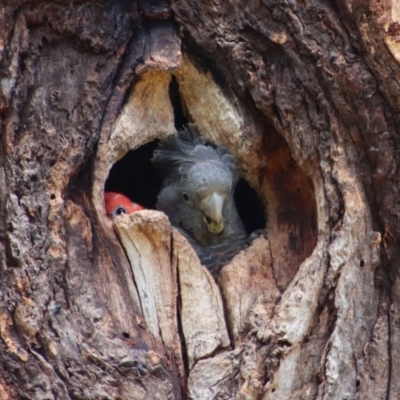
(182, 342)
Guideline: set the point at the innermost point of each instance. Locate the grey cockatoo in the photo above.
(197, 196)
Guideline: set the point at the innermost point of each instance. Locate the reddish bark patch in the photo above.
(292, 214)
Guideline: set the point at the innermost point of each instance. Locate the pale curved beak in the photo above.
(212, 211)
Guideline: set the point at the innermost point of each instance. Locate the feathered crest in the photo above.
(177, 153)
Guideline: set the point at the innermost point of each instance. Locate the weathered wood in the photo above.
(202, 315)
(305, 95)
(319, 94)
(248, 283)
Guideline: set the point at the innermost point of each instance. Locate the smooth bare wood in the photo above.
(201, 309)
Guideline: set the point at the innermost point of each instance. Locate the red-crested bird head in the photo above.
(117, 203)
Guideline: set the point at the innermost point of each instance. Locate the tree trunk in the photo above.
(305, 95)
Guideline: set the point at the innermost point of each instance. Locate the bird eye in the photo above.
(119, 211)
(185, 197)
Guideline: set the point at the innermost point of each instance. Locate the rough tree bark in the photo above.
(306, 95)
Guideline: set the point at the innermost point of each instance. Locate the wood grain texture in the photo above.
(305, 95)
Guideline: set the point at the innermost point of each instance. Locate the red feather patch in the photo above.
(117, 203)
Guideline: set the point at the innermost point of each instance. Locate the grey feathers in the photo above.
(178, 153)
(197, 195)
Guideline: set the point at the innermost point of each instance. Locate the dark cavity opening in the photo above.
(249, 206)
(180, 118)
(135, 177)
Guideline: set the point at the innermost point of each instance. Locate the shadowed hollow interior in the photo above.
(286, 191)
(292, 209)
(135, 177)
